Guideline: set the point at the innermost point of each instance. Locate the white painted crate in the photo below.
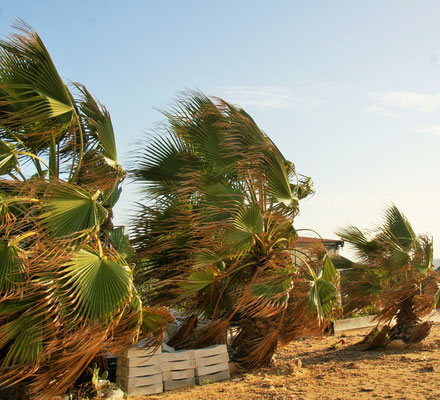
(132, 372)
(139, 370)
(139, 350)
(142, 371)
(133, 362)
(178, 369)
(211, 351)
(210, 378)
(211, 364)
(143, 385)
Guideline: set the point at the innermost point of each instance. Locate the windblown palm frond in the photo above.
(66, 294)
(218, 238)
(394, 273)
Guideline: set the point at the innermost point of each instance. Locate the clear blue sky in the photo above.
(349, 90)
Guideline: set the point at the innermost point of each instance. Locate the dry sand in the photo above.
(332, 371)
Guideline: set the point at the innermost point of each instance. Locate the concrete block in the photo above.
(178, 355)
(210, 378)
(175, 375)
(211, 369)
(210, 351)
(211, 360)
(133, 382)
(146, 390)
(178, 365)
(139, 371)
(179, 384)
(139, 361)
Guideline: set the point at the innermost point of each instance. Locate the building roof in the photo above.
(326, 242)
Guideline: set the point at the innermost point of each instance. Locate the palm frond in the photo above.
(71, 212)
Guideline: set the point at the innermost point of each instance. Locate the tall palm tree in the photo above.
(218, 240)
(394, 272)
(66, 290)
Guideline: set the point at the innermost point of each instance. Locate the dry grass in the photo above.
(332, 371)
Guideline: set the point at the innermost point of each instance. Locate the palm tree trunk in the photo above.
(407, 320)
(253, 332)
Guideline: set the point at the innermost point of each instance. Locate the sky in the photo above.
(348, 90)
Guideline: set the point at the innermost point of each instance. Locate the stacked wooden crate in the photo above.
(139, 371)
(178, 369)
(211, 364)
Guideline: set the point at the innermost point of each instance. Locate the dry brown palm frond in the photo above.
(69, 356)
(379, 339)
(392, 299)
(211, 334)
(154, 324)
(97, 174)
(420, 332)
(184, 331)
(261, 350)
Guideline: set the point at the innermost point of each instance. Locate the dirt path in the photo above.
(333, 373)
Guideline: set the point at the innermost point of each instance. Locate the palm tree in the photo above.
(66, 290)
(218, 239)
(394, 273)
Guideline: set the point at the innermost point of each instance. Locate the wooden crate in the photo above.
(142, 385)
(211, 351)
(178, 369)
(138, 350)
(134, 362)
(215, 377)
(139, 371)
(211, 364)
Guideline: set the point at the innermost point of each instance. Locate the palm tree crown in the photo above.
(394, 272)
(218, 238)
(66, 289)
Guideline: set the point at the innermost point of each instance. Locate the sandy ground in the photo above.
(332, 371)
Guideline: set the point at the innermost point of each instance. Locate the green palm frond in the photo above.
(222, 201)
(249, 219)
(98, 286)
(8, 158)
(25, 336)
(121, 243)
(279, 184)
(198, 280)
(155, 321)
(397, 227)
(322, 298)
(72, 212)
(274, 290)
(31, 89)
(99, 125)
(363, 246)
(206, 258)
(329, 272)
(11, 267)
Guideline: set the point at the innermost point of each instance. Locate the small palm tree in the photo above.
(66, 290)
(218, 239)
(394, 273)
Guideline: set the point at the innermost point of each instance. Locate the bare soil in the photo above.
(330, 369)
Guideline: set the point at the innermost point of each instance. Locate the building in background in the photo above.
(331, 245)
